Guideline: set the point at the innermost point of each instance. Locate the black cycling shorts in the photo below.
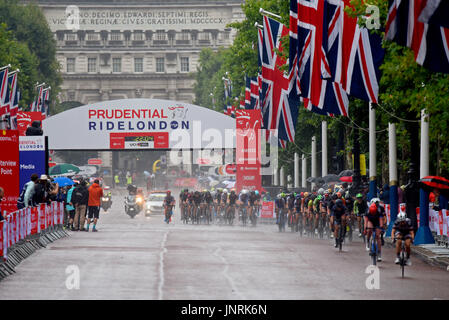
(403, 236)
(93, 212)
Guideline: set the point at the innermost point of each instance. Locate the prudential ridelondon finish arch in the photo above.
(139, 124)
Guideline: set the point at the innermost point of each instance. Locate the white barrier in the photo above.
(24, 223)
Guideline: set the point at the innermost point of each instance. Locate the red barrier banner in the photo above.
(267, 209)
(29, 215)
(446, 224)
(9, 169)
(440, 223)
(14, 228)
(42, 217)
(2, 239)
(417, 216)
(34, 220)
(61, 213)
(8, 222)
(25, 119)
(248, 141)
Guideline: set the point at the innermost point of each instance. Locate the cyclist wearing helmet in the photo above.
(384, 215)
(231, 203)
(338, 218)
(374, 221)
(252, 203)
(360, 209)
(291, 208)
(317, 210)
(217, 200)
(403, 231)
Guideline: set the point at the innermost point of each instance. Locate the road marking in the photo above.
(227, 276)
(161, 265)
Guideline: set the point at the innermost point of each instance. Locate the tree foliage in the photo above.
(28, 29)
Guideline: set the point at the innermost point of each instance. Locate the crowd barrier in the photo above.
(24, 231)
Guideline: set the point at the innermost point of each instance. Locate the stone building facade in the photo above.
(117, 49)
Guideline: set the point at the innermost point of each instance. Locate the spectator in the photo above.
(385, 194)
(27, 192)
(2, 194)
(80, 199)
(35, 129)
(41, 188)
(69, 207)
(95, 194)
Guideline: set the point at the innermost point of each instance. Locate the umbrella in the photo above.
(147, 174)
(64, 181)
(316, 180)
(331, 178)
(346, 173)
(64, 168)
(346, 179)
(432, 182)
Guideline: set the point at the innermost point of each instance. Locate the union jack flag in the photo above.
(251, 93)
(45, 103)
(278, 111)
(354, 54)
(309, 67)
(435, 12)
(10, 96)
(429, 42)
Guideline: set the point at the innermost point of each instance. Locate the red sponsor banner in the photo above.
(9, 169)
(2, 239)
(248, 125)
(440, 223)
(34, 220)
(267, 209)
(95, 162)
(139, 140)
(42, 217)
(186, 182)
(25, 119)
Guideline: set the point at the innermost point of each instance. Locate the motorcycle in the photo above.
(106, 203)
(133, 205)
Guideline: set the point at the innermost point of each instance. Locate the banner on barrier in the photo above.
(9, 169)
(34, 221)
(267, 209)
(4, 235)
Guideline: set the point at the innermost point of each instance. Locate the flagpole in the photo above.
(268, 13)
(324, 148)
(313, 160)
(257, 25)
(372, 153)
(296, 173)
(304, 172)
(13, 72)
(5, 67)
(393, 176)
(424, 235)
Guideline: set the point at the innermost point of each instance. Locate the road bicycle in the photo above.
(282, 220)
(341, 235)
(373, 246)
(244, 214)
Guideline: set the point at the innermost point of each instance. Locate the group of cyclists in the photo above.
(219, 205)
(336, 212)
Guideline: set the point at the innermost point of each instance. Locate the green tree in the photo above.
(29, 27)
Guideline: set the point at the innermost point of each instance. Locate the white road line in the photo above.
(161, 266)
(227, 276)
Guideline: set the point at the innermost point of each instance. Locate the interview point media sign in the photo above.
(248, 142)
(32, 157)
(9, 169)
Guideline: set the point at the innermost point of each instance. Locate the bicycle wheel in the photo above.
(403, 261)
(373, 247)
(340, 237)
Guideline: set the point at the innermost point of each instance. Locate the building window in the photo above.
(116, 36)
(93, 37)
(138, 64)
(161, 35)
(138, 36)
(160, 64)
(70, 64)
(204, 36)
(116, 64)
(184, 35)
(184, 64)
(71, 37)
(92, 65)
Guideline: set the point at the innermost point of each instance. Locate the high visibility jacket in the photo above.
(129, 180)
(117, 180)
